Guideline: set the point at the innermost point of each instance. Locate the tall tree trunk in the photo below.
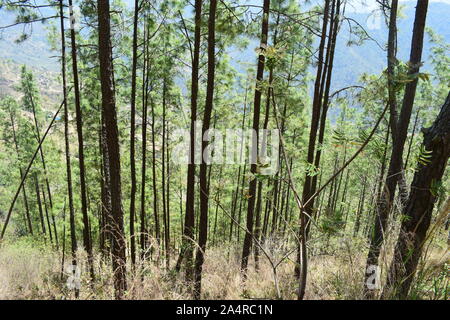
(133, 135)
(79, 119)
(254, 149)
(73, 238)
(320, 107)
(204, 190)
(112, 141)
(187, 248)
(395, 165)
(263, 154)
(155, 194)
(163, 178)
(145, 93)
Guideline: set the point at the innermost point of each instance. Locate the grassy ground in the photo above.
(32, 270)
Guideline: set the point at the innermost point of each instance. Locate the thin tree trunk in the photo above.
(163, 179)
(315, 117)
(133, 134)
(254, 149)
(145, 93)
(73, 239)
(187, 248)
(47, 218)
(79, 120)
(155, 194)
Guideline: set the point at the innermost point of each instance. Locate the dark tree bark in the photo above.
(419, 207)
(133, 135)
(112, 141)
(105, 185)
(204, 189)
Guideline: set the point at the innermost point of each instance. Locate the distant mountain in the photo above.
(352, 61)
(34, 52)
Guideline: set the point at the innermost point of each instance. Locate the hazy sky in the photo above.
(362, 6)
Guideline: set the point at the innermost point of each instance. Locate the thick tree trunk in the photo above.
(112, 141)
(419, 207)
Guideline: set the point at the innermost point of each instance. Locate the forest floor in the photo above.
(31, 271)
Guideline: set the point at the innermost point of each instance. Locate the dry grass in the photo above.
(30, 271)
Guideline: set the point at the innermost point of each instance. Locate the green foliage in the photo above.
(424, 156)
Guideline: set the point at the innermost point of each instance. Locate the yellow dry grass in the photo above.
(335, 271)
